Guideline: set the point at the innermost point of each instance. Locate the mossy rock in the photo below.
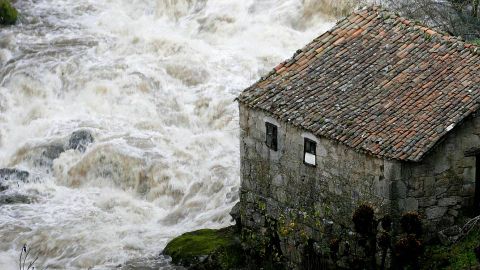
(458, 256)
(207, 249)
(8, 14)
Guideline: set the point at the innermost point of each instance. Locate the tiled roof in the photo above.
(377, 83)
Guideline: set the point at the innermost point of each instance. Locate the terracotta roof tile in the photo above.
(377, 83)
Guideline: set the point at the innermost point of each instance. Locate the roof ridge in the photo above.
(418, 26)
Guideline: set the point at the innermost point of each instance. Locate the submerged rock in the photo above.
(39, 155)
(79, 140)
(14, 199)
(53, 151)
(7, 174)
(48, 153)
(13, 174)
(207, 249)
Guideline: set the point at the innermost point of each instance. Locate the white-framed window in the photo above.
(309, 152)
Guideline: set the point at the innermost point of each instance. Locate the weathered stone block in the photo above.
(454, 190)
(439, 191)
(401, 189)
(278, 180)
(453, 213)
(401, 204)
(321, 151)
(448, 201)
(442, 182)
(435, 212)
(427, 201)
(411, 204)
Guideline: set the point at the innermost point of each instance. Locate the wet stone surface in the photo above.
(79, 140)
(13, 174)
(14, 199)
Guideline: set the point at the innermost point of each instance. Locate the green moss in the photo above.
(458, 256)
(8, 14)
(207, 248)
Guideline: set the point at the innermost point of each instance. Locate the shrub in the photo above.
(384, 241)
(8, 14)
(386, 223)
(334, 246)
(364, 219)
(408, 251)
(411, 223)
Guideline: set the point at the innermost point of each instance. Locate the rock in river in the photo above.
(14, 199)
(79, 140)
(13, 174)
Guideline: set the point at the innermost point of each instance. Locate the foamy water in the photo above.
(154, 81)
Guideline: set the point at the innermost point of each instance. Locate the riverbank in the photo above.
(235, 248)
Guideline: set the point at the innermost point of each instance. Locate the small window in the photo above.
(309, 152)
(271, 136)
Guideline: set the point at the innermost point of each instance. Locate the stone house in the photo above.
(379, 109)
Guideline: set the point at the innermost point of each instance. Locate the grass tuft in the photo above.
(460, 255)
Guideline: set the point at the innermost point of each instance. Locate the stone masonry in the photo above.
(317, 202)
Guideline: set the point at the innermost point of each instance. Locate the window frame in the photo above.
(271, 130)
(311, 151)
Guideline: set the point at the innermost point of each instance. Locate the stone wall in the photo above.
(316, 203)
(442, 186)
(305, 202)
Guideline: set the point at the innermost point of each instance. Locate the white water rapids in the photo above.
(154, 81)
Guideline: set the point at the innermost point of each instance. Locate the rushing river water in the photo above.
(154, 81)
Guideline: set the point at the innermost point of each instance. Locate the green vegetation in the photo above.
(458, 256)
(207, 249)
(8, 14)
(476, 42)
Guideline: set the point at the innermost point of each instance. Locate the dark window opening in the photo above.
(271, 136)
(309, 152)
(476, 198)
